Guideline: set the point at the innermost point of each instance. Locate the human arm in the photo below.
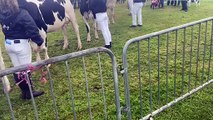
(31, 28)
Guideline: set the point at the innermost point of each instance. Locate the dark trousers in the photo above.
(168, 2)
(173, 2)
(184, 5)
(178, 2)
(161, 5)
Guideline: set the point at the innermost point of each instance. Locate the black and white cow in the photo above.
(51, 15)
(87, 14)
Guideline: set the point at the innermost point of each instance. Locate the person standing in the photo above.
(99, 10)
(184, 5)
(137, 13)
(18, 27)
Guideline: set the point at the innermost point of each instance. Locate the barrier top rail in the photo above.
(8, 71)
(136, 39)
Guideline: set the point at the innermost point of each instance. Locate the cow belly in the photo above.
(55, 27)
(57, 24)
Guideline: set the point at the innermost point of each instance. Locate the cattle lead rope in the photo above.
(31, 68)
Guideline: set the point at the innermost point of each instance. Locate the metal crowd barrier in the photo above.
(95, 96)
(164, 67)
(159, 69)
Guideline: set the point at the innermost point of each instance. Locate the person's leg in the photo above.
(100, 18)
(172, 2)
(182, 4)
(175, 2)
(162, 3)
(185, 6)
(106, 28)
(20, 53)
(139, 14)
(11, 51)
(25, 57)
(130, 5)
(25, 54)
(168, 2)
(136, 8)
(108, 31)
(178, 2)
(134, 16)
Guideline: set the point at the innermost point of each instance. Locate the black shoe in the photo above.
(28, 96)
(107, 46)
(139, 25)
(132, 26)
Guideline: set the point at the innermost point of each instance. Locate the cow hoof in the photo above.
(79, 47)
(65, 47)
(88, 39)
(38, 59)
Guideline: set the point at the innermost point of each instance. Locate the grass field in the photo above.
(197, 107)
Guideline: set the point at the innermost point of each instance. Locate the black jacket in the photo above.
(20, 26)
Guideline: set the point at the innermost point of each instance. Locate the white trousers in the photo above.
(130, 5)
(103, 24)
(137, 13)
(19, 53)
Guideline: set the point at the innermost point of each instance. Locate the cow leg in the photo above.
(43, 46)
(73, 20)
(6, 84)
(87, 27)
(113, 15)
(95, 29)
(45, 50)
(5, 80)
(35, 47)
(109, 14)
(64, 29)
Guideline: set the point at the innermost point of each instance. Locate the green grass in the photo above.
(198, 106)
